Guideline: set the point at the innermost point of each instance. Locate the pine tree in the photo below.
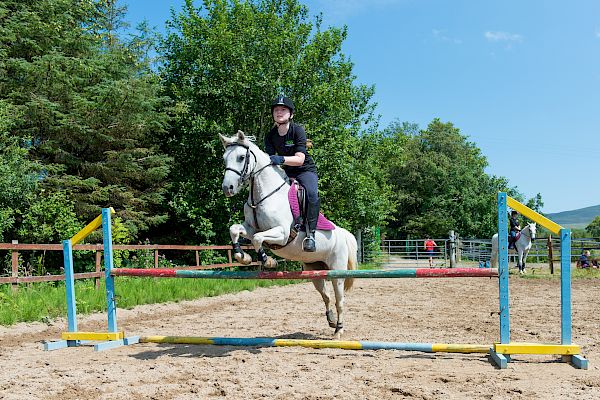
(91, 108)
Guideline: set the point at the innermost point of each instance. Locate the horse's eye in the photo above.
(241, 158)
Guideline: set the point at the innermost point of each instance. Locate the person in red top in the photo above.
(429, 247)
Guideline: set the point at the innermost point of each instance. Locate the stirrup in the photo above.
(309, 244)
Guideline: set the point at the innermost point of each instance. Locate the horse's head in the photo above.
(242, 159)
(532, 230)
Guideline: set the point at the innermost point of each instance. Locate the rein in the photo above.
(245, 176)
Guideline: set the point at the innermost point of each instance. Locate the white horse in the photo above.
(268, 219)
(522, 245)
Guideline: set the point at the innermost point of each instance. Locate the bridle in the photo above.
(248, 173)
(244, 174)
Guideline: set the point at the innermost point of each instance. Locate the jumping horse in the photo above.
(268, 220)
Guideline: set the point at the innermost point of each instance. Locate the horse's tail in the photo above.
(494, 255)
(352, 258)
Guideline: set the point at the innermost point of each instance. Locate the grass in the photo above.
(544, 273)
(46, 301)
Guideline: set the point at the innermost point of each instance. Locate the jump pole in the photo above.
(325, 274)
(502, 351)
(320, 344)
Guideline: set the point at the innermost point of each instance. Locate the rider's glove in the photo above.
(277, 160)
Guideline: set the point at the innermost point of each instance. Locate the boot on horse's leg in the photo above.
(312, 216)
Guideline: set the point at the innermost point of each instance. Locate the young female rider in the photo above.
(515, 228)
(286, 144)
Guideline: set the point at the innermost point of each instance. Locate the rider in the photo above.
(514, 229)
(286, 144)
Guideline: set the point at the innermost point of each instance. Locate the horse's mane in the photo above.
(251, 140)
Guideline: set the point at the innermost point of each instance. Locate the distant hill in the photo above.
(575, 218)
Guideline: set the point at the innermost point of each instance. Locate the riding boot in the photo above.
(312, 216)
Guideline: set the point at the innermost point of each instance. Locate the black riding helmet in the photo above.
(282, 101)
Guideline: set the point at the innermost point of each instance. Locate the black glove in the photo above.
(277, 160)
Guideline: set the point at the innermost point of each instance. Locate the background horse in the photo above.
(522, 245)
(268, 219)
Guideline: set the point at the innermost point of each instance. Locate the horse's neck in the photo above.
(267, 181)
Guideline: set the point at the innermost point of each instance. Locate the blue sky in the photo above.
(520, 78)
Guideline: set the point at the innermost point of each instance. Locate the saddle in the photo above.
(298, 206)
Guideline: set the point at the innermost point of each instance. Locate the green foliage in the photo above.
(223, 63)
(86, 123)
(50, 219)
(440, 182)
(18, 175)
(593, 229)
(536, 203)
(90, 107)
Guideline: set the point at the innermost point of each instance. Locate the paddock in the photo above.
(454, 310)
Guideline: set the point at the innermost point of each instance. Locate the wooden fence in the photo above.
(15, 248)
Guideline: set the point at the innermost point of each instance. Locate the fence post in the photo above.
(550, 255)
(15, 266)
(445, 254)
(97, 279)
(156, 258)
(197, 259)
(452, 239)
(417, 250)
(229, 259)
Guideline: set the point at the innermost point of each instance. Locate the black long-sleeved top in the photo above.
(514, 223)
(294, 141)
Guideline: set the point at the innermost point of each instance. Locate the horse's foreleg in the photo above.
(338, 288)
(524, 260)
(274, 235)
(235, 231)
(322, 289)
(520, 262)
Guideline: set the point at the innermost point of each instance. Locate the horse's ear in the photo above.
(224, 140)
(241, 136)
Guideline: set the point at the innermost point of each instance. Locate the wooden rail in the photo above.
(15, 248)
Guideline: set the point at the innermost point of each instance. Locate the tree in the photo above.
(594, 227)
(535, 203)
(441, 184)
(90, 106)
(18, 176)
(223, 64)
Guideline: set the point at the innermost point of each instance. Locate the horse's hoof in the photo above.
(339, 330)
(271, 263)
(243, 258)
(330, 320)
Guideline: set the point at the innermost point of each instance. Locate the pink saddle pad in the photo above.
(322, 223)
